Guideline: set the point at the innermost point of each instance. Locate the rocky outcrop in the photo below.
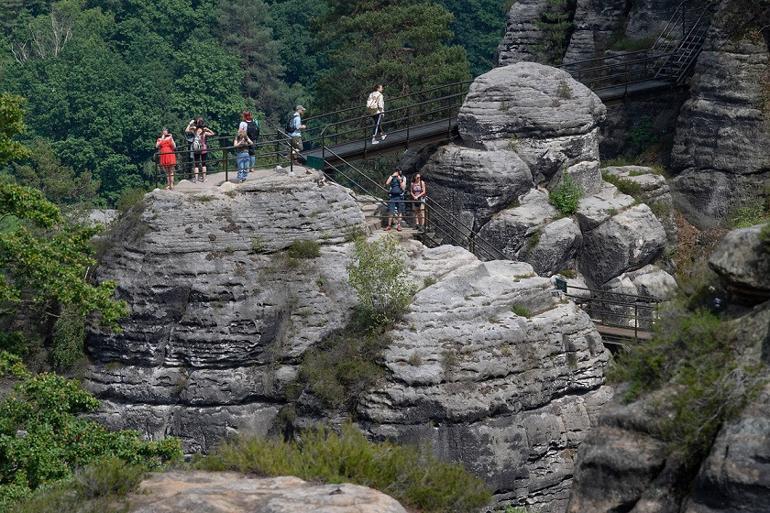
(722, 147)
(490, 368)
(625, 464)
(649, 281)
(219, 313)
(596, 21)
(522, 36)
(628, 240)
(207, 492)
(742, 260)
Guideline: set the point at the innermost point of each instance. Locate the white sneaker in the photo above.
(374, 141)
(383, 137)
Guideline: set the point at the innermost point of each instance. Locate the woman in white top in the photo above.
(375, 105)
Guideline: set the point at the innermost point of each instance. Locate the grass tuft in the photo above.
(304, 249)
(566, 196)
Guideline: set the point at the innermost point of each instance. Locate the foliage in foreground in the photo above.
(43, 439)
(379, 276)
(566, 196)
(96, 488)
(695, 358)
(413, 477)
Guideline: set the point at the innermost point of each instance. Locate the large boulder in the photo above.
(556, 247)
(228, 492)
(742, 260)
(650, 281)
(594, 209)
(528, 100)
(627, 241)
(219, 313)
(490, 368)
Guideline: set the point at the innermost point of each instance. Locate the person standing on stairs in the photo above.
(375, 106)
(418, 191)
(396, 185)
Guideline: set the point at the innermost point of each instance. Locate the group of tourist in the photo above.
(416, 191)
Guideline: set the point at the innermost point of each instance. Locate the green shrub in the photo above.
(749, 214)
(556, 25)
(563, 90)
(429, 281)
(97, 488)
(569, 273)
(565, 197)
(69, 334)
(624, 185)
(521, 311)
(379, 276)
(128, 198)
(304, 249)
(47, 408)
(693, 356)
(412, 476)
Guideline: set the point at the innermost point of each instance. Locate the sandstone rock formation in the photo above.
(743, 263)
(596, 21)
(228, 492)
(490, 368)
(219, 314)
(522, 34)
(722, 147)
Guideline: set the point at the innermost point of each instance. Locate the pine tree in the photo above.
(557, 26)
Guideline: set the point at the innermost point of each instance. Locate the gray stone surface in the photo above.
(722, 145)
(627, 241)
(522, 34)
(648, 17)
(742, 261)
(652, 185)
(528, 100)
(219, 314)
(509, 396)
(596, 21)
(624, 465)
(597, 208)
(510, 229)
(557, 245)
(649, 281)
(228, 492)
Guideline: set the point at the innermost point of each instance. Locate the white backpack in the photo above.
(372, 104)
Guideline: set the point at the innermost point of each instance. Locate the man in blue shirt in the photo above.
(296, 133)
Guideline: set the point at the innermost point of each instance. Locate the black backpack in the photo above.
(290, 123)
(252, 130)
(395, 187)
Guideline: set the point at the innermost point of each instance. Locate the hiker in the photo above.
(199, 131)
(396, 184)
(375, 106)
(166, 147)
(294, 130)
(418, 191)
(251, 126)
(242, 143)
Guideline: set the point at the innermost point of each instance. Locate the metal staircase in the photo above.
(694, 22)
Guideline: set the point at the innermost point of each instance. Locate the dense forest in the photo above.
(100, 79)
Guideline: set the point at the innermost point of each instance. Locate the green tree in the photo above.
(478, 26)
(11, 124)
(556, 24)
(402, 45)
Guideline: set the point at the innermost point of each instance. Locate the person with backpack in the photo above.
(199, 131)
(396, 185)
(375, 107)
(166, 147)
(242, 143)
(294, 128)
(251, 126)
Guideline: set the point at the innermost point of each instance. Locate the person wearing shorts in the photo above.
(396, 185)
(199, 131)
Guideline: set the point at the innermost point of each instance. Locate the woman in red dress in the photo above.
(166, 147)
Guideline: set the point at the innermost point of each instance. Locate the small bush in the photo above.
(257, 244)
(563, 90)
(128, 198)
(412, 476)
(569, 273)
(69, 334)
(624, 185)
(749, 214)
(566, 196)
(379, 276)
(304, 249)
(429, 281)
(521, 311)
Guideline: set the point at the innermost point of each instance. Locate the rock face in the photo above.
(596, 21)
(743, 263)
(490, 368)
(219, 316)
(228, 492)
(623, 465)
(522, 34)
(722, 147)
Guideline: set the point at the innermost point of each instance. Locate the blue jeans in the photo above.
(243, 160)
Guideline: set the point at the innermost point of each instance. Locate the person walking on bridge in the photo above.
(375, 106)
(166, 147)
(396, 184)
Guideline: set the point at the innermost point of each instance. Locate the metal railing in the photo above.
(629, 316)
